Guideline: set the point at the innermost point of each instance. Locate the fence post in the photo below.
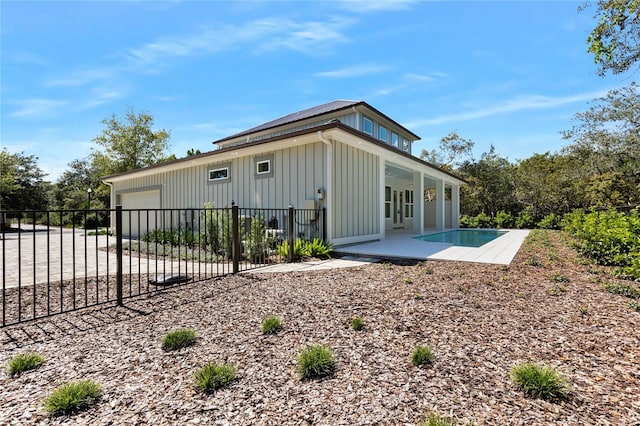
(291, 238)
(235, 223)
(119, 255)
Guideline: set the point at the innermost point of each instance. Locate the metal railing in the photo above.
(65, 260)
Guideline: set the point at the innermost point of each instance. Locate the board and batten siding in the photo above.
(356, 189)
(298, 172)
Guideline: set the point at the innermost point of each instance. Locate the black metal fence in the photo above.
(64, 260)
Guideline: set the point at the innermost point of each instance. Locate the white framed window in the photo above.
(406, 146)
(395, 139)
(219, 174)
(367, 126)
(383, 133)
(408, 203)
(263, 167)
(387, 202)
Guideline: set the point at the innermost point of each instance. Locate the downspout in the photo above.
(328, 196)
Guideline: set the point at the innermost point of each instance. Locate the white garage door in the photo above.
(138, 222)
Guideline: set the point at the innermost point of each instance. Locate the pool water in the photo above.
(463, 237)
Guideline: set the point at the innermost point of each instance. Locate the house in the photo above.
(345, 156)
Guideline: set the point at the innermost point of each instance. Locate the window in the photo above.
(263, 167)
(406, 146)
(382, 133)
(219, 174)
(387, 202)
(408, 200)
(394, 139)
(367, 126)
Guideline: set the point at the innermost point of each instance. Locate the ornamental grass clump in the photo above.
(24, 362)
(212, 377)
(180, 338)
(357, 323)
(434, 419)
(539, 382)
(271, 325)
(422, 355)
(315, 361)
(72, 397)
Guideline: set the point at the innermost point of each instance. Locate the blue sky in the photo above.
(511, 74)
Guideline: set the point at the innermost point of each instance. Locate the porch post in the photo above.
(455, 206)
(440, 204)
(418, 202)
(381, 198)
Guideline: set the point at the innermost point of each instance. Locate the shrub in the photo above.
(635, 306)
(72, 397)
(622, 289)
(212, 377)
(257, 239)
(504, 220)
(557, 290)
(421, 355)
(525, 218)
(271, 325)
(550, 221)
(24, 362)
(434, 419)
(180, 338)
(356, 323)
(299, 249)
(315, 361)
(218, 230)
(539, 382)
(559, 278)
(318, 248)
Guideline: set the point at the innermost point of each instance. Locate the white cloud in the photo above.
(354, 71)
(37, 107)
(28, 58)
(520, 103)
(366, 6)
(81, 78)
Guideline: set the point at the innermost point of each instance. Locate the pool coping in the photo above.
(500, 251)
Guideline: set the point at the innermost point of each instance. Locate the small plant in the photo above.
(212, 377)
(418, 296)
(72, 397)
(534, 261)
(635, 306)
(24, 362)
(180, 338)
(421, 355)
(356, 323)
(622, 289)
(318, 248)
(271, 325)
(408, 281)
(428, 270)
(539, 382)
(559, 278)
(315, 361)
(435, 419)
(583, 310)
(557, 290)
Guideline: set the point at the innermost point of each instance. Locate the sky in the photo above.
(511, 74)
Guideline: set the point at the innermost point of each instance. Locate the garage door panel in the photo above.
(137, 222)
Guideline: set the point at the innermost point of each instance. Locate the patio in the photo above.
(500, 251)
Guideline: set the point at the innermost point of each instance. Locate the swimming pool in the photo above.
(463, 237)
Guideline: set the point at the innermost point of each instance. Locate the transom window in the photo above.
(263, 167)
(219, 174)
(367, 126)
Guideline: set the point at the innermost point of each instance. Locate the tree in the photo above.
(191, 152)
(71, 188)
(129, 144)
(453, 150)
(615, 41)
(21, 182)
(606, 144)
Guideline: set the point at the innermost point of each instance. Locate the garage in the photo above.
(139, 212)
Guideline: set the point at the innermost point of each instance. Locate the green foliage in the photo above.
(525, 219)
(550, 221)
(72, 397)
(315, 361)
(539, 382)
(357, 323)
(422, 355)
(635, 306)
(615, 41)
(21, 182)
(504, 220)
(626, 290)
(177, 339)
(435, 419)
(299, 250)
(481, 220)
(452, 151)
(212, 377)
(271, 325)
(24, 362)
(172, 237)
(257, 239)
(559, 278)
(557, 290)
(318, 248)
(218, 230)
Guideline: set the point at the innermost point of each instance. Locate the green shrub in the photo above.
(557, 290)
(72, 397)
(180, 338)
(559, 278)
(534, 261)
(504, 220)
(356, 323)
(212, 377)
(525, 219)
(622, 289)
(257, 239)
(635, 306)
(539, 382)
(24, 362)
(217, 230)
(318, 248)
(550, 221)
(315, 361)
(434, 419)
(299, 249)
(422, 355)
(271, 325)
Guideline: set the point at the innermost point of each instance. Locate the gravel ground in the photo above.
(480, 320)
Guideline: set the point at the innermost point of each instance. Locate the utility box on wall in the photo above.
(310, 204)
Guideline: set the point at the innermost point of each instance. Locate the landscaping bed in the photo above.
(549, 307)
